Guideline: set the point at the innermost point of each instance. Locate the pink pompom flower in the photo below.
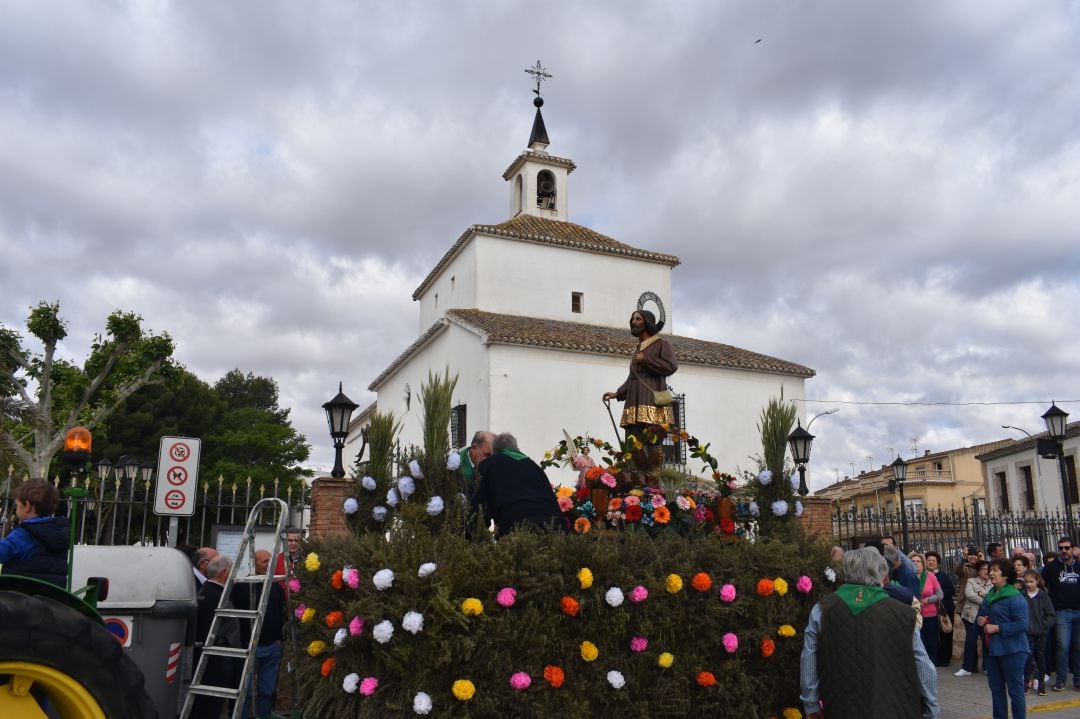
(368, 686)
(294, 585)
(300, 609)
(356, 626)
(608, 480)
(565, 504)
(507, 596)
(639, 644)
(805, 584)
(727, 593)
(353, 578)
(638, 594)
(520, 681)
(658, 501)
(731, 643)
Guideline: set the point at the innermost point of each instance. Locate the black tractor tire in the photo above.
(41, 631)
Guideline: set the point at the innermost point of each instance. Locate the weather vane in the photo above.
(539, 74)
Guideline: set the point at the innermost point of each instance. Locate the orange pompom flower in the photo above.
(328, 666)
(765, 587)
(661, 515)
(554, 675)
(582, 525)
(615, 504)
(334, 619)
(768, 646)
(701, 582)
(336, 580)
(706, 679)
(570, 606)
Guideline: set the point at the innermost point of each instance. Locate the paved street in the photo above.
(969, 698)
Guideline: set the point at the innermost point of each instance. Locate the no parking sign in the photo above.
(177, 477)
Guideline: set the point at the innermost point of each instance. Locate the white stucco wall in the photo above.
(537, 281)
(1045, 478)
(455, 287)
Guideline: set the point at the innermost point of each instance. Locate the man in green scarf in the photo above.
(859, 651)
(513, 491)
(477, 451)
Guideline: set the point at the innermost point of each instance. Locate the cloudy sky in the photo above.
(886, 192)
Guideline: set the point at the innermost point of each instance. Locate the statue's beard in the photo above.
(636, 331)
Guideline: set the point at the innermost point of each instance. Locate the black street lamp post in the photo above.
(338, 412)
(899, 468)
(1056, 420)
(799, 441)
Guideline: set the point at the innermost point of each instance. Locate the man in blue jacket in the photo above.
(38, 547)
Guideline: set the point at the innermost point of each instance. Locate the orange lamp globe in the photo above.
(78, 440)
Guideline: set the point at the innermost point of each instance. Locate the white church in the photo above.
(532, 315)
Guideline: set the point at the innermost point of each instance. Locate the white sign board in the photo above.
(177, 476)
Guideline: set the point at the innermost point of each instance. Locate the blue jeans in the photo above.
(971, 647)
(1007, 673)
(267, 661)
(1067, 630)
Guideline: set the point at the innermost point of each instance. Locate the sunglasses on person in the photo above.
(1064, 548)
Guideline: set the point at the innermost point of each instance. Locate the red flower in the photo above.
(701, 582)
(328, 666)
(583, 493)
(768, 646)
(570, 606)
(709, 514)
(633, 513)
(554, 675)
(336, 581)
(727, 525)
(765, 587)
(335, 619)
(706, 679)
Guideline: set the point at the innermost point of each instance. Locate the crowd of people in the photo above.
(1021, 625)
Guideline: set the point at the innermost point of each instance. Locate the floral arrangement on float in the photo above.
(419, 612)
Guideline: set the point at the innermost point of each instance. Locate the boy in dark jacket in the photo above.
(1041, 619)
(38, 547)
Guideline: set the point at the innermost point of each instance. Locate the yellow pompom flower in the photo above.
(584, 576)
(311, 563)
(589, 652)
(673, 583)
(316, 648)
(792, 713)
(786, 630)
(307, 616)
(463, 690)
(637, 492)
(780, 586)
(665, 660)
(472, 607)
(564, 491)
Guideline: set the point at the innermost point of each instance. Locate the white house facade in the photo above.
(532, 315)
(1018, 479)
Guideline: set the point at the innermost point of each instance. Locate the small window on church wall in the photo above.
(519, 195)
(436, 299)
(577, 302)
(545, 190)
(453, 281)
(458, 433)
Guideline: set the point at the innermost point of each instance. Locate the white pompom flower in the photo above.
(798, 508)
(414, 469)
(830, 574)
(754, 509)
(392, 497)
(378, 513)
(435, 506)
(614, 596)
(421, 703)
(351, 683)
(350, 506)
(779, 508)
(340, 637)
(795, 483)
(426, 570)
(383, 579)
(765, 476)
(616, 679)
(368, 483)
(383, 631)
(453, 461)
(413, 622)
(406, 486)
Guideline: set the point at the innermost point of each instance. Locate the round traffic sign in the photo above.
(179, 452)
(176, 476)
(174, 499)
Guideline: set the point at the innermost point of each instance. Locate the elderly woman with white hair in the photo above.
(862, 655)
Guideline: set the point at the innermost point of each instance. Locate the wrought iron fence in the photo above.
(949, 531)
(120, 511)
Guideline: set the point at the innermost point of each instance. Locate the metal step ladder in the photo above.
(254, 616)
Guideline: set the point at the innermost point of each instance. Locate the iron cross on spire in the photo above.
(539, 74)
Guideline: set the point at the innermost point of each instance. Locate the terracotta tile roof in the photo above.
(422, 340)
(578, 337)
(542, 157)
(528, 228)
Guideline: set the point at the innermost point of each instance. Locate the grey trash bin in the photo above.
(151, 608)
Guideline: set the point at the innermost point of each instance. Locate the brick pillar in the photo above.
(327, 496)
(817, 517)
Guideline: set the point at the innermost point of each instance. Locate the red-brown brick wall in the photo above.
(327, 496)
(817, 516)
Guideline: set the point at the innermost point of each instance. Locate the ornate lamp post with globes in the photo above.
(1056, 421)
(899, 468)
(338, 412)
(799, 441)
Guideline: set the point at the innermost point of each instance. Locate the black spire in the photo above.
(539, 132)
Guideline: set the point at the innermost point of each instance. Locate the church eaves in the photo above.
(402, 358)
(529, 228)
